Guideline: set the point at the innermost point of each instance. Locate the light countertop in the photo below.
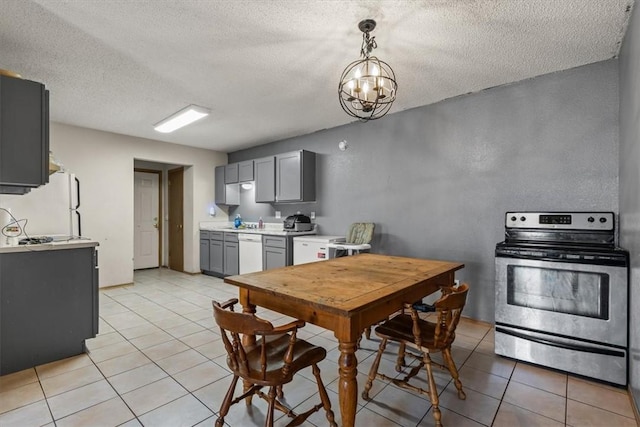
(271, 229)
(51, 246)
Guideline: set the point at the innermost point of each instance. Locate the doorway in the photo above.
(176, 219)
(147, 211)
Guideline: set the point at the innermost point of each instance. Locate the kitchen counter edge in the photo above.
(266, 232)
(51, 246)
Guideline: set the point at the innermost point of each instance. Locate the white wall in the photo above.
(104, 163)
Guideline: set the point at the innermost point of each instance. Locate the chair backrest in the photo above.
(448, 310)
(360, 233)
(232, 325)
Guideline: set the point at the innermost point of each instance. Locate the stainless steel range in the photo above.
(562, 293)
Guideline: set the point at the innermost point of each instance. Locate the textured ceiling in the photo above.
(269, 70)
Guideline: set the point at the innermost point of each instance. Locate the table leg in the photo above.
(247, 340)
(348, 386)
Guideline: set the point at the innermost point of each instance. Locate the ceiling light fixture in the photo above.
(182, 118)
(367, 86)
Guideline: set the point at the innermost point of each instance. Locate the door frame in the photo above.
(160, 214)
(179, 170)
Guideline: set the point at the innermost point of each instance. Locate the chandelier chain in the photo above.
(368, 44)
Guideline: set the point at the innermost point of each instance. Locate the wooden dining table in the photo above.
(344, 295)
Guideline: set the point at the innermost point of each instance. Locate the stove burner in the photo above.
(35, 240)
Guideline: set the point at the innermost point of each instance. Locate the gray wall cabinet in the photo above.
(231, 173)
(265, 175)
(245, 171)
(226, 194)
(24, 135)
(48, 306)
(296, 177)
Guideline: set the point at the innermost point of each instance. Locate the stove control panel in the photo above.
(561, 220)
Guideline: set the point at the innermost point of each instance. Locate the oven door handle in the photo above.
(584, 349)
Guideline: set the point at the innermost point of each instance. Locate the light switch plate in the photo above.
(312, 215)
(278, 214)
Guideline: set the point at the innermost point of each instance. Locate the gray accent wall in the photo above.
(630, 184)
(437, 180)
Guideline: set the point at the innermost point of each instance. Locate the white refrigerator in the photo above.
(50, 210)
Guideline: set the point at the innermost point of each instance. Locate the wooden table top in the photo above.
(347, 284)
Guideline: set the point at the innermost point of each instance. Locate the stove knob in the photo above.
(591, 219)
(603, 220)
(523, 218)
(513, 218)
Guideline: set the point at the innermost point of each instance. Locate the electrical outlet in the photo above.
(312, 215)
(457, 282)
(278, 214)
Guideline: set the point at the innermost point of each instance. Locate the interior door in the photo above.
(176, 218)
(146, 210)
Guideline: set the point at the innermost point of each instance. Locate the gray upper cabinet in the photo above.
(231, 173)
(245, 171)
(24, 135)
(265, 179)
(226, 194)
(296, 177)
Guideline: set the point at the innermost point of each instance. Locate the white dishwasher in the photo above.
(250, 252)
(312, 248)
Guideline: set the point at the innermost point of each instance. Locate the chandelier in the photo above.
(367, 86)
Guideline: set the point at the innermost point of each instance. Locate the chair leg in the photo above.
(400, 362)
(433, 392)
(374, 369)
(451, 365)
(272, 403)
(324, 397)
(226, 403)
(279, 392)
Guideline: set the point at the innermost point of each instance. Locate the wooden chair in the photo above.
(426, 337)
(271, 362)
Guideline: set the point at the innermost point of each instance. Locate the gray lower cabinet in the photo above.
(231, 258)
(24, 135)
(204, 250)
(277, 251)
(216, 252)
(219, 253)
(48, 306)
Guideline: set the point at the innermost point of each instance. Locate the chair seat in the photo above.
(304, 354)
(400, 328)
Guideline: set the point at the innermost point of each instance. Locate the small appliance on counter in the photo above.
(298, 222)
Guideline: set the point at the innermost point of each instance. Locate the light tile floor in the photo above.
(159, 361)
